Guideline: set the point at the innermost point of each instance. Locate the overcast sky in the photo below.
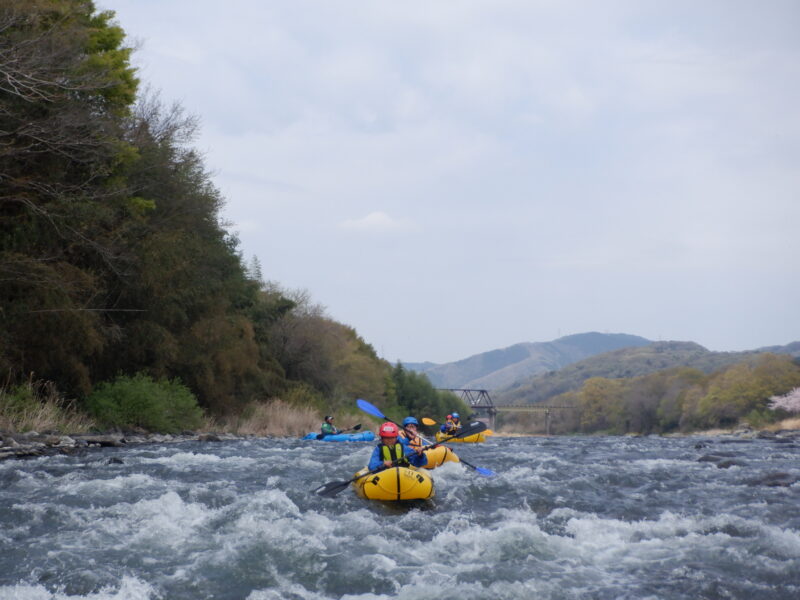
(451, 177)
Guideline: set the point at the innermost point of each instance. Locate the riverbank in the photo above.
(32, 444)
(275, 423)
(55, 427)
(743, 430)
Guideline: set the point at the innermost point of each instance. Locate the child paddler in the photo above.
(410, 432)
(437, 456)
(452, 424)
(392, 448)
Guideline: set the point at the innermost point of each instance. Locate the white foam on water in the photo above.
(453, 547)
(33, 479)
(551, 462)
(448, 471)
(105, 487)
(653, 464)
(270, 503)
(272, 523)
(287, 589)
(304, 463)
(166, 521)
(595, 554)
(612, 545)
(130, 588)
(475, 545)
(182, 460)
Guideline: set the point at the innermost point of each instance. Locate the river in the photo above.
(566, 517)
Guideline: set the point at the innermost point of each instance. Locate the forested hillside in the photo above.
(501, 368)
(626, 363)
(678, 398)
(113, 256)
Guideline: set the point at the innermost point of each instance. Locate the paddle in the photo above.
(332, 488)
(429, 422)
(353, 428)
(375, 412)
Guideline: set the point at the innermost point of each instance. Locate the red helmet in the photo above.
(388, 430)
(449, 417)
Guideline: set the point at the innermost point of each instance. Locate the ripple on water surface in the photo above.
(564, 518)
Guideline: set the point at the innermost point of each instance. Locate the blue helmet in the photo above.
(455, 416)
(410, 421)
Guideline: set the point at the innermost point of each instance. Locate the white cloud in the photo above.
(547, 149)
(379, 223)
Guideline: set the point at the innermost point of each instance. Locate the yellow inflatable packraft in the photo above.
(395, 483)
(477, 437)
(440, 455)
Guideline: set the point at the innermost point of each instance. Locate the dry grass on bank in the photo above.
(793, 423)
(274, 418)
(37, 406)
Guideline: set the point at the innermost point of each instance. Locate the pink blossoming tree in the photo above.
(789, 402)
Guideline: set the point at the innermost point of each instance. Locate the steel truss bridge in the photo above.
(483, 409)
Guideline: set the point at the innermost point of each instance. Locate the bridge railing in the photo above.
(480, 402)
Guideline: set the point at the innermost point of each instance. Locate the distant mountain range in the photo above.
(535, 371)
(499, 369)
(628, 362)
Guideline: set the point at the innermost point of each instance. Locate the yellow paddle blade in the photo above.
(488, 432)
(427, 421)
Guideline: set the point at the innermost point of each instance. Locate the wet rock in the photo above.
(777, 479)
(105, 440)
(709, 458)
(793, 434)
(25, 445)
(28, 451)
(136, 439)
(728, 463)
(717, 456)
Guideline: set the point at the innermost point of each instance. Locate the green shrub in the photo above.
(18, 400)
(165, 405)
(759, 418)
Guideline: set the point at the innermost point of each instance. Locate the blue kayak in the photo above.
(361, 436)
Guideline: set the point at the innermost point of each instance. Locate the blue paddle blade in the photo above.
(486, 472)
(370, 409)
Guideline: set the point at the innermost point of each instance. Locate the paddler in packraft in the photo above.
(328, 427)
(451, 424)
(437, 456)
(391, 449)
(410, 433)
